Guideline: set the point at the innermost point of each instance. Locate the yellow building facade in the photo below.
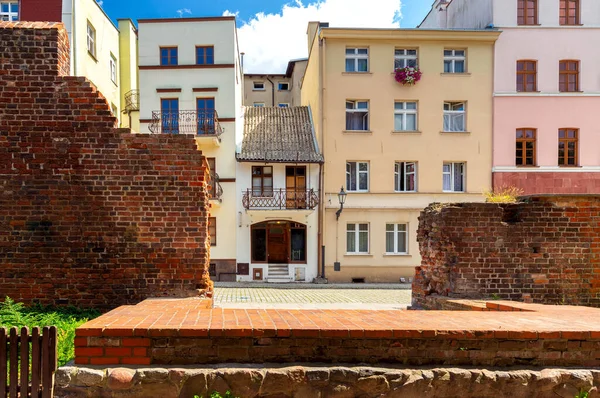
(395, 148)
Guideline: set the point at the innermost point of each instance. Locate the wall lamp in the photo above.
(342, 199)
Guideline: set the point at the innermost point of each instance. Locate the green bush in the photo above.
(65, 319)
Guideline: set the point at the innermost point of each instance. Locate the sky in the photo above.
(272, 32)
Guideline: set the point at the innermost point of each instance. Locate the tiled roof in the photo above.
(279, 135)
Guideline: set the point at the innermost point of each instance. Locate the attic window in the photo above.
(259, 86)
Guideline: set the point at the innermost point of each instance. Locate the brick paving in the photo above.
(281, 297)
(182, 331)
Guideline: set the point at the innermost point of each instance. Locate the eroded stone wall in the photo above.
(545, 250)
(90, 215)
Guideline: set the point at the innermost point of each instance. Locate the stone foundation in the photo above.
(316, 382)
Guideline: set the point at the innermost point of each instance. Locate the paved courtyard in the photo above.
(312, 296)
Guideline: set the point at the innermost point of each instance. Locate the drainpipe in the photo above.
(272, 91)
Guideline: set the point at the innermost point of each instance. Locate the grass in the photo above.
(503, 195)
(65, 319)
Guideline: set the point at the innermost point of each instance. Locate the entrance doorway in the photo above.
(278, 242)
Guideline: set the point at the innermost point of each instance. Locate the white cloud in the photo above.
(271, 40)
(100, 3)
(183, 11)
(228, 13)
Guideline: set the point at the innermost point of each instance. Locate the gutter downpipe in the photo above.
(322, 166)
(272, 91)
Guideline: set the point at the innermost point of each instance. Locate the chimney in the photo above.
(313, 28)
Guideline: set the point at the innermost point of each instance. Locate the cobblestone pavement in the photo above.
(365, 297)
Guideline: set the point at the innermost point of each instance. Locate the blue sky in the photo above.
(262, 22)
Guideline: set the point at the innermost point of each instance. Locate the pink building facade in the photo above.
(546, 89)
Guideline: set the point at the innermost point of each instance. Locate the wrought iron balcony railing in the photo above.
(132, 101)
(216, 191)
(280, 199)
(203, 123)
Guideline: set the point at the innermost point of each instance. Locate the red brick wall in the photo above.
(546, 250)
(90, 215)
(532, 183)
(41, 10)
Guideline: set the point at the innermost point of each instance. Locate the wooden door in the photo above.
(295, 184)
(278, 243)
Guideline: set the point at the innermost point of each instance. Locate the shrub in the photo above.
(503, 195)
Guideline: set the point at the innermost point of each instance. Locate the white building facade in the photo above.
(191, 83)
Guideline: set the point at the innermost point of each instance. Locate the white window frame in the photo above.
(451, 113)
(113, 68)
(399, 175)
(357, 109)
(9, 16)
(358, 172)
(283, 105)
(356, 57)
(405, 111)
(91, 39)
(259, 104)
(396, 233)
(281, 89)
(402, 58)
(356, 231)
(453, 58)
(254, 84)
(452, 173)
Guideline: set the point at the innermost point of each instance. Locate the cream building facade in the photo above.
(191, 83)
(130, 95)
(280, 90)
(394, 148)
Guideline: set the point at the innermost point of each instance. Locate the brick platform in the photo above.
(183, 331)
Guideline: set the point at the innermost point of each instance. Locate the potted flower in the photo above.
(408, 76)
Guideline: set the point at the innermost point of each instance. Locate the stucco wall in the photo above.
(271, 95)
(505, 13)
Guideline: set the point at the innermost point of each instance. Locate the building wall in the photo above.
(469, 14)
(382, 148)
(40, 10)
(296, 81)
(271, 95)
(128, 50)
(96, 69)
(247, 218)
(505, 13)
(225, 78)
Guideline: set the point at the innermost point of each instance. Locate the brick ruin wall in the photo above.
(90, 215)
(545, 250)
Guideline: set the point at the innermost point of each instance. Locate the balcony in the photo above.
(132, 101)
(280, 199)
(203, 123)
(215, 191)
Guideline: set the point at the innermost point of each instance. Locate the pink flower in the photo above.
(408, 76)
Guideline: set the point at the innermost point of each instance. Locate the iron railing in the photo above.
(203, 123)
(280, 199)
(132, 101)
(216, 191)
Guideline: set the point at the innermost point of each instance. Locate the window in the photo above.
(9, 10)
(283, 105)
(454, 61)
(357, 238)
(405, 116)
(113, 69)
(454, 177)
(259, 104)
(396, 239)
(526, 155)
(357, 115)
(262, 181)
(527, 12)
(169, 109)
(205, 108)
(212, 166)
(568, 78)
(91, 39)
(168, 56)
(569, 12)
(357, 176)
(283, 86)
(205, 55)
(212, 230)
(260, 86)
(405, 177)
(568, 147)
(454, 116)
(526, 76)
(357, 60)
(405, 58)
